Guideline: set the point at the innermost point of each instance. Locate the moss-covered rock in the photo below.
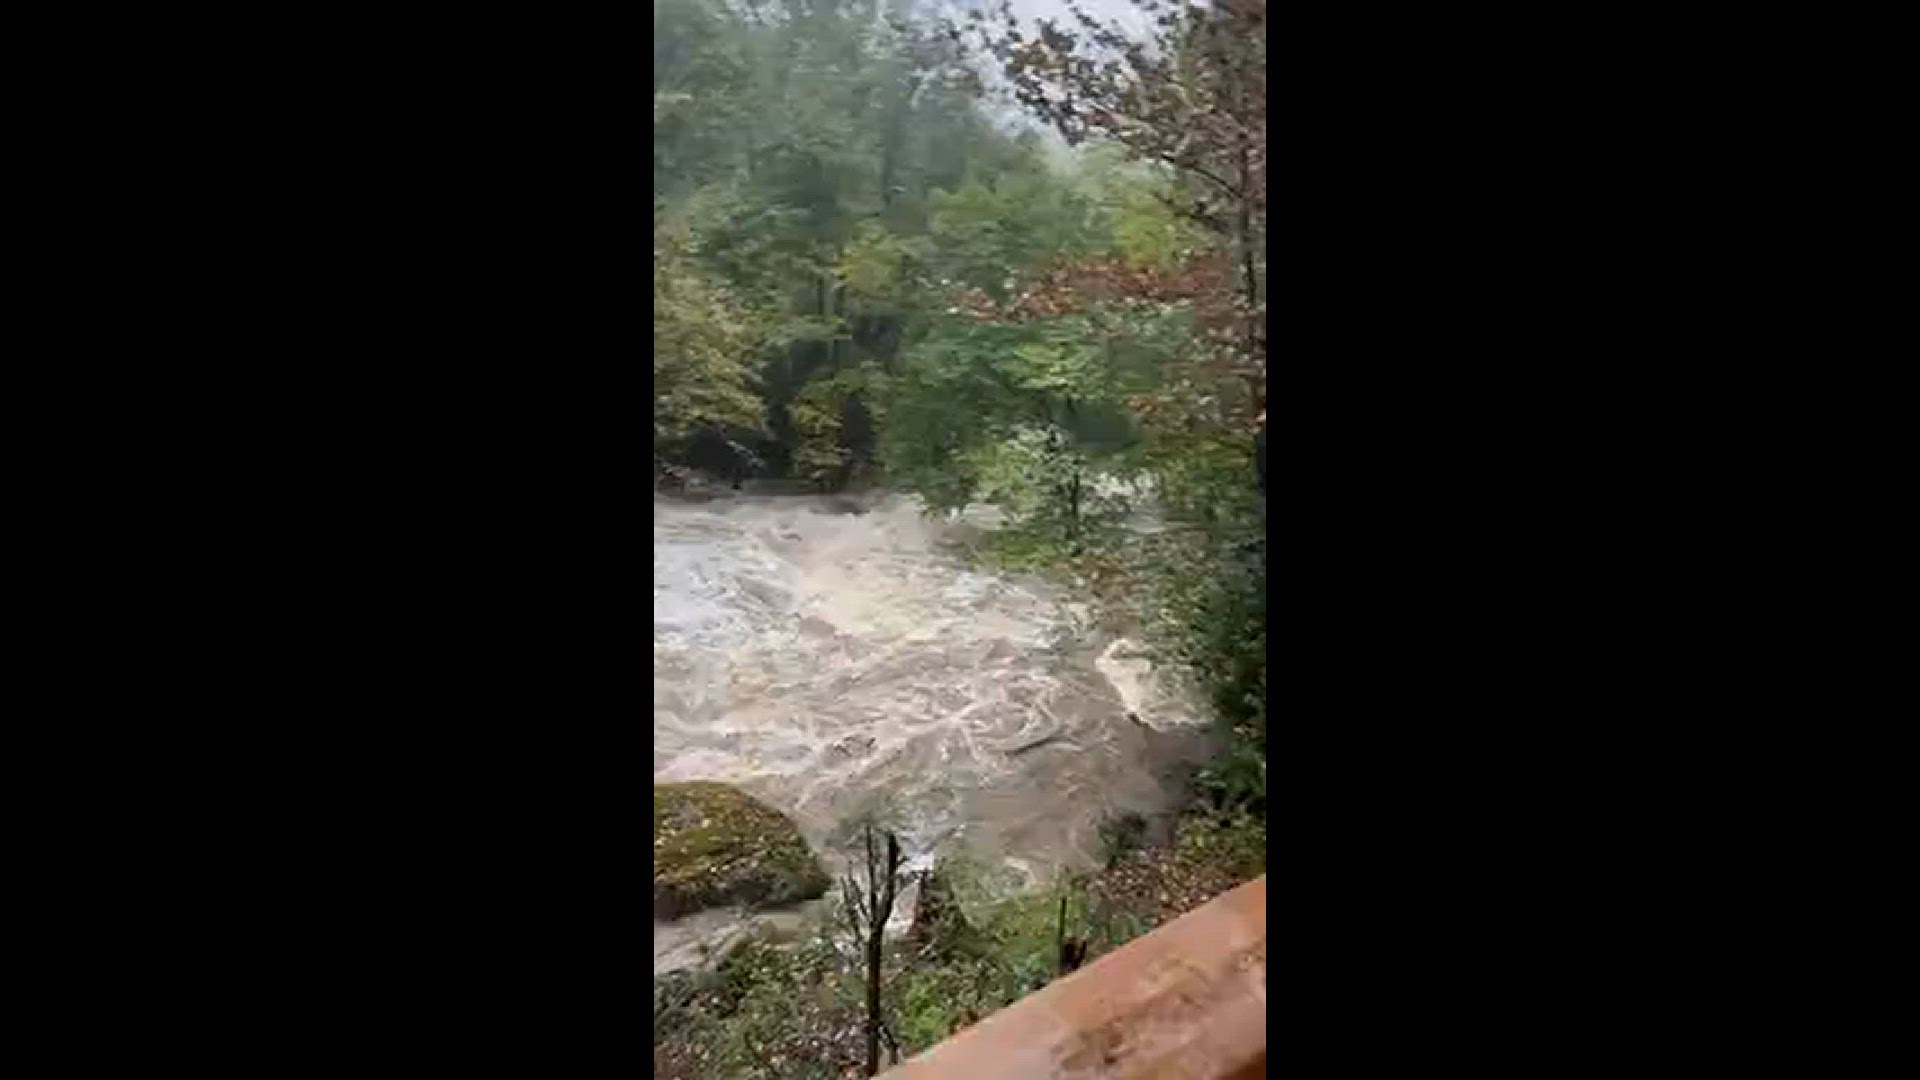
(713, 845)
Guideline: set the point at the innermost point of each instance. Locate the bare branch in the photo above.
(893, 1044)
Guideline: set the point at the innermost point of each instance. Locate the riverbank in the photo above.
(787, 1003)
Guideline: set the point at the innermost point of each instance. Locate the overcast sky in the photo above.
(1120, 11)
(1031, 11)
(1123, 12)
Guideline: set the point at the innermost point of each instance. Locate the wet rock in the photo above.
(713, 845)
(813, 626)
(773, 486)
(852, 746)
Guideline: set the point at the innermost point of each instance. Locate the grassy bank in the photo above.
(789, 1005)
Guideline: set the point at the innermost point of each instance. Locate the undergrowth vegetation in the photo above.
(789, 1005)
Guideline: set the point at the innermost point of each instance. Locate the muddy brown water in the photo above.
(831, 662)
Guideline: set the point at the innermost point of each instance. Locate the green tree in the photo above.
(830, 165)
(706, 345)
(1191, 98)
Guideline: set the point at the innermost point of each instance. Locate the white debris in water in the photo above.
(1029, 877)
(1144, 691)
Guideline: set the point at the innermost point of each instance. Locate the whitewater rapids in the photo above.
(828, 662)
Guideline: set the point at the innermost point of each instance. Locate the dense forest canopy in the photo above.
(832, 199)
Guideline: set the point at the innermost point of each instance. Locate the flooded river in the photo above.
(828, 661)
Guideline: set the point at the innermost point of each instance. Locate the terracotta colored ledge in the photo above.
(1185, 1002)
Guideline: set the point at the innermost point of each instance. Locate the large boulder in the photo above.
(713, 845)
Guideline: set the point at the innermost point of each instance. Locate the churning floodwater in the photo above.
(829, 662)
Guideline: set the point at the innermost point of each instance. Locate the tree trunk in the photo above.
(879, 910)
(873, 1005)
(1071, 952)
(1060, 938)
(1253, 340)
(1073, 505)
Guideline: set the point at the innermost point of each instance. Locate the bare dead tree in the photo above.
(868, 907)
